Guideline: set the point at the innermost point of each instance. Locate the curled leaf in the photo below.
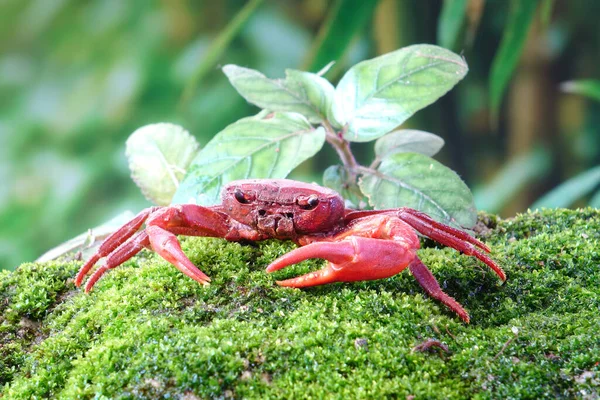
(159, 155)
(255, 147)
(417, 181)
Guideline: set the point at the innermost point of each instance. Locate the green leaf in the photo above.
(263, 146)
(302, 92)
(450, 23)
(509, 52)
(218, 47)
(570, 191)
(377, 95)
(589, 88)
(336, 177)
(417, 181)
(345, 20)
(408, 141)
(159, 155)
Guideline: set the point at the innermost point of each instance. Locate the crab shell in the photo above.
(282, 207)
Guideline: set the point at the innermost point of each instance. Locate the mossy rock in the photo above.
(147, 331)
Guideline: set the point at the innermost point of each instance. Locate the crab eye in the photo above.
(241, 196)
(308, 203)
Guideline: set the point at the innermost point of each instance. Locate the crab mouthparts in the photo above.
(276, 225)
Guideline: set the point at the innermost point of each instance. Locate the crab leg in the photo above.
(162, 224)
(113, 241)
(428, 225)
(420, 221)
(451, 237)
(444, 234)
(122, 254)
(428, 282)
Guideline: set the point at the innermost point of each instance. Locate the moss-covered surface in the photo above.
(147, 331)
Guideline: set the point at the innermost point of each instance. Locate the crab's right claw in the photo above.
(352, 259)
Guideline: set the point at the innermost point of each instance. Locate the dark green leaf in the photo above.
(345, 19)
(417, 181)
(451, 22)
(570, 191)
(509, 52)
(302, 92)
(159, 155)
(589, 88)
(263, 146)
(377, 95)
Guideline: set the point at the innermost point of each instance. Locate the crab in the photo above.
(358, 244)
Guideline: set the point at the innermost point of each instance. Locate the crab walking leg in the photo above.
(162, 224)
(428, 282)
(186, 219)
(428, 224)
(444, 234)
(352, 259)
(113, 241)
(449, 236)
(420, 221)
(167, 246)
(118, 257)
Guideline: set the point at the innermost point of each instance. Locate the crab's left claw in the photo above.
(352, 259)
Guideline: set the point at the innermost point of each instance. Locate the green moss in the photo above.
(148, 331)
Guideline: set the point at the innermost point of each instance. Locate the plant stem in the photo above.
(342, 147)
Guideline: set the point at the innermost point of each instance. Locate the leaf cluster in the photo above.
(302, 112)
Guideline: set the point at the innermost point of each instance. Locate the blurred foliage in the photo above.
(76, 78)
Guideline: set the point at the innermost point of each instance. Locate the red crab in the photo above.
(359, 245)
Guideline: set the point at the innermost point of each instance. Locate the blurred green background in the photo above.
(77, 77)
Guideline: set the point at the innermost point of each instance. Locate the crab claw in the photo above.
(352, 259)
